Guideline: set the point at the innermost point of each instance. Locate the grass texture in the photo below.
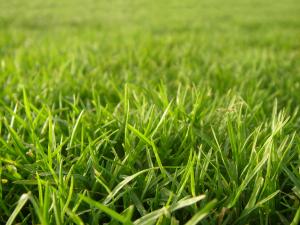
(149, 112)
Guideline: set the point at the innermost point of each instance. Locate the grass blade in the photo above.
(108, 211)
(202, 213)
(22, 201)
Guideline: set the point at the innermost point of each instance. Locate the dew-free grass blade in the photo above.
(202, 213)
(22, 201)
(113, 214)
(128, 179)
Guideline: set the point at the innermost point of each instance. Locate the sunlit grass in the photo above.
(139, 112)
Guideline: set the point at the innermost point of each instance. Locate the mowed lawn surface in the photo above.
(149, 112)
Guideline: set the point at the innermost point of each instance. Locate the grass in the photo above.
(149, 112)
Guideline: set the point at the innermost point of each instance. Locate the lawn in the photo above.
(150, 112)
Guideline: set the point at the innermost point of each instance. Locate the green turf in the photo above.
(149, 112)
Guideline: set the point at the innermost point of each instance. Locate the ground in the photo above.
(149, 112)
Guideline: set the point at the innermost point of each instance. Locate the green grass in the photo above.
(149, 112)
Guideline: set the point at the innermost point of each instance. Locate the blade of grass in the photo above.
(202, 213)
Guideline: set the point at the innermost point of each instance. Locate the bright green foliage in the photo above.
(149, 112)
